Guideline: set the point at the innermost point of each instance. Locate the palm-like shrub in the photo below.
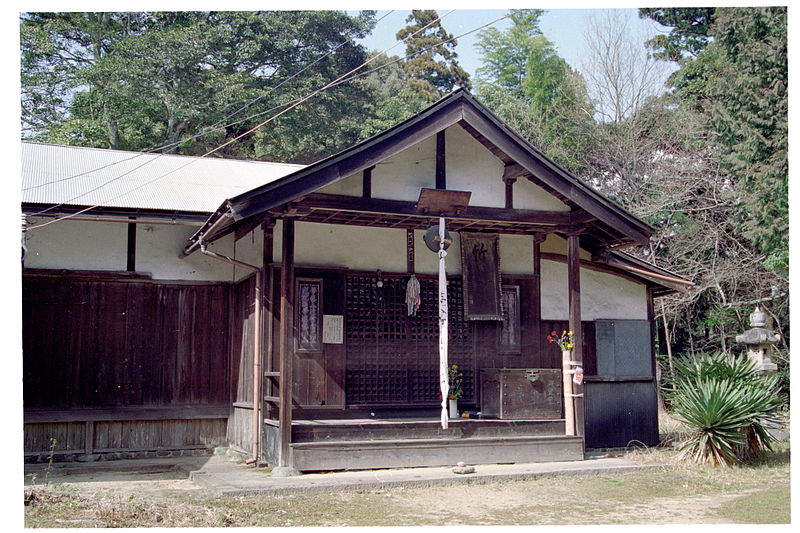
(727, 405)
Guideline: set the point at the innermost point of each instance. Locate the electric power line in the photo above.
(207, 130)
(292, 104)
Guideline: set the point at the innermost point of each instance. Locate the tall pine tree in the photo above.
(432, 64)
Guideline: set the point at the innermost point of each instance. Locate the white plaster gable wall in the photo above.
(602, 295)
(472, 167)
(401, 176)
(349, 186)
(87, 245)
(530, 196)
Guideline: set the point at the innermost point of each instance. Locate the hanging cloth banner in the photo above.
(413, 299)
(444, 382)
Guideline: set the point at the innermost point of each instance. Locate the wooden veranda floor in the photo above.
(370, 443)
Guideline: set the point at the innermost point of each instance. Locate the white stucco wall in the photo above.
(248, 249)
(602, 295)
(427, 262)
(354, 247)
(87, 245)
(530, 196)
(76, 245)
(470, 167)
(158, 246)
(349, 186)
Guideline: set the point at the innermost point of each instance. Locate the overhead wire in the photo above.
(208, 129)
(292, 104)
(251, 130)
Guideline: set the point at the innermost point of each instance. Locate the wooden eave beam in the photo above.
(661, 278)
(380, 206)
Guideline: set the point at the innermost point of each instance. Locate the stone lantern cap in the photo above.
(758, 336)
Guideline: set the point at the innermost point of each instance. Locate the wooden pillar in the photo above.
(509, 192)
(286, 344)
(410, 267)
(574, 288)
(441, 162)
(258, 351)
(366, 182)
(656, 372)
(268, 227)
(131, 263)
(536, 296)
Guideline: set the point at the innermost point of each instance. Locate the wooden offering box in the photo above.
(521, 393)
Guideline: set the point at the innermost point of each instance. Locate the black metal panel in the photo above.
(621, 413)
(623, 348)
(605, 348)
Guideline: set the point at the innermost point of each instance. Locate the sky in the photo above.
(564, 27)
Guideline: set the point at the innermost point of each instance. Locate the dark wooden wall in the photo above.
(242, 328)
(123, 343)
(317, 377)
(132, 363)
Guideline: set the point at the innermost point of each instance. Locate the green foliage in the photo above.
(395, 97)
(141, 80)
(727, 406)
(688, 35)
(750, 118)
(505, 54)
(525, 82)
(433, 62)
(736, 74)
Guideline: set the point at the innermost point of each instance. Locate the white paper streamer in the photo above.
(444, 381)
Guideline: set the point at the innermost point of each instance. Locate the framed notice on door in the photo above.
(480, 267)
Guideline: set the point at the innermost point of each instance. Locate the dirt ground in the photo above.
(676, 494)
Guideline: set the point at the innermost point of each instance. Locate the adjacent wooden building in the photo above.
(278, 322)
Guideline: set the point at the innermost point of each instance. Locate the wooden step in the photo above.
(404, 453)
(376, 429)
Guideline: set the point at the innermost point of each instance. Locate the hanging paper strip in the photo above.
(444, 383)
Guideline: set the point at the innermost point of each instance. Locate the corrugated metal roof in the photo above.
(71, 175)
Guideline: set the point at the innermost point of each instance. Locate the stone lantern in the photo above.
(760, 342)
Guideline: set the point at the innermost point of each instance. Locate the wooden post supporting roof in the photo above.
(441, 161)
(574, 289)
(267, 226)
(536, 296)
(286, 347)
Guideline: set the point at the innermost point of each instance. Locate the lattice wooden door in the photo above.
(392, 358)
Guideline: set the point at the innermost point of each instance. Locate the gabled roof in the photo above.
(80, 176)
(613, 225)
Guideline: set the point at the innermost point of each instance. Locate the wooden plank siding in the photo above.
(124, 364)
(240, 426)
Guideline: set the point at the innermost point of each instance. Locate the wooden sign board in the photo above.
(438, 202)
(480, 267)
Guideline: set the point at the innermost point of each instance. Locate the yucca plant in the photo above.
(727, 405)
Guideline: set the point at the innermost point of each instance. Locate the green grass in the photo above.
(770, 506)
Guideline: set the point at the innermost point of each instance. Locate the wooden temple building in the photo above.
(279, 324)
